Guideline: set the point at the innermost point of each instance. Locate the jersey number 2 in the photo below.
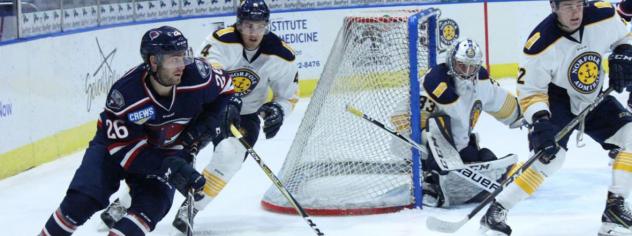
(116, 129)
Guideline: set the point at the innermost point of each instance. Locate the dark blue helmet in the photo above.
(162, 40)
(254, 10)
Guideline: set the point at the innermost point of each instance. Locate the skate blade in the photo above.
(489, 232)
(611, 229)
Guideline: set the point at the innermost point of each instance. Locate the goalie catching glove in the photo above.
(620, 64)
(272, 114)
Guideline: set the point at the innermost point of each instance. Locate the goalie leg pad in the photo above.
(441, 143)
(456, 190)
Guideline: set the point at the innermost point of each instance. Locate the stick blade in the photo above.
(436, 224)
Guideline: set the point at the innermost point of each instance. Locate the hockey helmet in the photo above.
(254, 10)
(164, 40)
(557, 2)
(465, 59)
(624, 8)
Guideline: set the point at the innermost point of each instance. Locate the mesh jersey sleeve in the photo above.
(498, 102)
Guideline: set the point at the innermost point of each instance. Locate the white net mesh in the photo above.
(338, 163)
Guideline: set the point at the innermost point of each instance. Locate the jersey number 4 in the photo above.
(116, 129)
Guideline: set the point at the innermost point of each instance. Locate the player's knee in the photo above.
(622, 138)
(228, 156)
(78, 207)
(133, 224)
(553, 166)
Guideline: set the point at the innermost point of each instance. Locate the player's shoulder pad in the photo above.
(273, 45)
(483, 74)
(196, 73)
(597, 11)
(128, 89)
(543, 36)
(227, 35)
(439, 86)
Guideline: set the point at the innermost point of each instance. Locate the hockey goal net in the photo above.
(339, 164)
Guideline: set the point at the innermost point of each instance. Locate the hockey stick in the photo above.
(190, 193)
(472, 176)
(447, 162)
(437, 224)
(275, 180)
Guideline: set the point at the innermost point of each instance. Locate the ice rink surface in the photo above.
(569, 203)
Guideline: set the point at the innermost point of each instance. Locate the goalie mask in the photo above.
(465, 59)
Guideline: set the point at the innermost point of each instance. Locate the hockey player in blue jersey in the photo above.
(256, 60)
(145, 136)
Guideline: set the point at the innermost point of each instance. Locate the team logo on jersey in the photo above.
(141, 116)
(583, 73)
(475, 113)
(448, 31)
(244, 80)
(202, 68)
(116, 100)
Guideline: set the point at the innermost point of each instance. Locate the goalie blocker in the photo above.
(463, 186)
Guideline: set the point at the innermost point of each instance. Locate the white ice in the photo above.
(569, 203)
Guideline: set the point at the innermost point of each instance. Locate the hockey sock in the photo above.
(226, 161)
(74, 210)
(622, 174)
(530, 180)
(58, 224)
(130, 225)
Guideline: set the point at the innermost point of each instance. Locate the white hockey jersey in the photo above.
(463, 101)
(573, 62)
(272, 65)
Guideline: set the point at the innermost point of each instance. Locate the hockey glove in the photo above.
(542, 136)
(181, 175)
(229, 114)
(272, 114)
(620, 64)
(198, 134)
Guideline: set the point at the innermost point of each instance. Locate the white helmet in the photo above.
(465, 59)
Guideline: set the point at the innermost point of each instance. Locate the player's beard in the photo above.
(167, 78)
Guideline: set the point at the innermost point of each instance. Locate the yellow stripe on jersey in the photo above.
(623, 162)
(507, 109)
(224, 31)
(438, 91)
(529, 181)
(530, 100)
(532, 40)
(603, 5)
(213, 184)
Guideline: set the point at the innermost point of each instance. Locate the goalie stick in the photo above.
(445, 162)
(439, 225)
(275, 180)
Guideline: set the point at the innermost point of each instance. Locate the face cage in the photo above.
(460, 69)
